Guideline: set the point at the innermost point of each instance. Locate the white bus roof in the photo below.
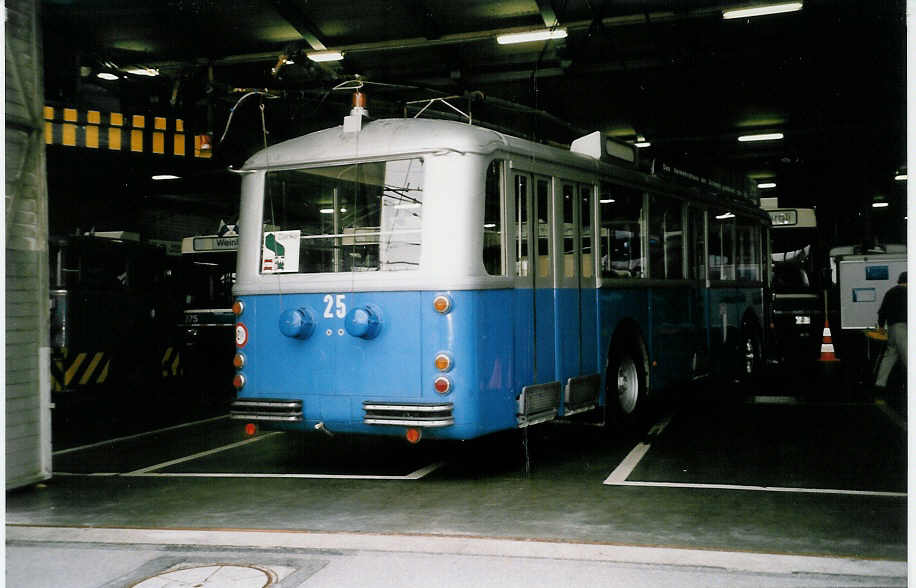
(407, 137)
(385, 138)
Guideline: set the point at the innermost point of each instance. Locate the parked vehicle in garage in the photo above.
(419, 277)
(799, 266)
(208, 273)
(113, 309)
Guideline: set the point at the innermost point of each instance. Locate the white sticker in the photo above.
(280, 252)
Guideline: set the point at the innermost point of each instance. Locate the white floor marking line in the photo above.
(774, 400)
(422, 472)
(883, 407)
(97, 474)
(240, 475)
(416, 475)
(138, 435)
(761, 488)
(629, 463)
(166, 464)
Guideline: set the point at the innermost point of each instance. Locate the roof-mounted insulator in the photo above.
(353, 122)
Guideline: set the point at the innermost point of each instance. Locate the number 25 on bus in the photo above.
(418, 277)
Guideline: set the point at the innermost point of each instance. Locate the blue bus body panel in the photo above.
(333, 372)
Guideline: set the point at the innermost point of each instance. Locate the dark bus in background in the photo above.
(798, 288)
(208, 273)
(114, 345)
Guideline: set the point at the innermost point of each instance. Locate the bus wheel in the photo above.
(626, 387)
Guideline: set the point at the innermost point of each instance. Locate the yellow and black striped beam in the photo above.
(79, 369)
(171, 363)
(114, 131)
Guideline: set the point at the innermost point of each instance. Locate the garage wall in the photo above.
(28, 414)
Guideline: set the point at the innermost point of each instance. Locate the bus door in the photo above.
(535, 344)
(540, 395)
(576, 335)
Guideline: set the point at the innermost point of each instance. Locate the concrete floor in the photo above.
(767, 492)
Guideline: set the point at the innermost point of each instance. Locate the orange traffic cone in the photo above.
(827, 353)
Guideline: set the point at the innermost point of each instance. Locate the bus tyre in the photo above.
(627, 392)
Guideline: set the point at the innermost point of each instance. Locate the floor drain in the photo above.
(211, 576)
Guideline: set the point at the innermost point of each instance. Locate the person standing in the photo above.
(893, 312)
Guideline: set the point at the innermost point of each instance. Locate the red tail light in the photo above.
(442, 385)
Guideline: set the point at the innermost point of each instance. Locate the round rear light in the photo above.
(413, 435)
(238, 381)
(251, 429)
(238, 307)
(442, 304)
(442, 385)
(238, 361)
(443, 362)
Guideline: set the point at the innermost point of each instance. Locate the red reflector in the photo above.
(251, 429)
(442, 385)
(413, 435)
(238, 381)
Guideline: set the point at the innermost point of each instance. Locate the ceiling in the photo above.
(830, 77)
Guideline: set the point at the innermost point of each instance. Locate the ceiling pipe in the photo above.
(473, 36)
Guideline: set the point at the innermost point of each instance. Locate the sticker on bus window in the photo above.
(280, 252)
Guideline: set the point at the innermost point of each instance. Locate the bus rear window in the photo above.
(347, 218)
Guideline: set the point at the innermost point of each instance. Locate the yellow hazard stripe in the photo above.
(74, 367)
(104, 373)
(87, 375)
(116, 131)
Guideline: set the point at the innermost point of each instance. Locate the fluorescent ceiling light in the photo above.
(900, 177)
(727, 215)
(607, 201)
(529, 36)
(642, 144)
(761, 137)
(142, 71)
(767, 185)
(490, 226)
(330, 210)
(329, 55)
(106, 75)
(879, 204)
(166, 177)
(749, 11)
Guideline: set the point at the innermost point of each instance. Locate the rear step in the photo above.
(266, 409)
(408, 415)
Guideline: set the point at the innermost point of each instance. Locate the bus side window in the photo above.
(542, 198)
(585, 222)
(666, 238)
(621, 232)
(721, 245)
(492, 221)
(748, 242)
(697, 266)
(521, 225)
(568, 230)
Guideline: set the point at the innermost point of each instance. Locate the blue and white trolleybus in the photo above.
(419, 277)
